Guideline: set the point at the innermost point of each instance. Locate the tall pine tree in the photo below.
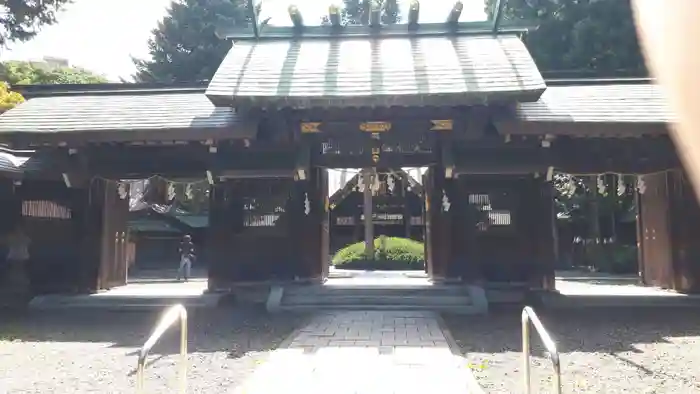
(184, 46)
(20, 19)
(594, 35)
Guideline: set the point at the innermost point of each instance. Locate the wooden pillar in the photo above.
(669, 225)
(655, 237)
(313, 226)
(464, 244)
(546, 234)
(639, 227)
(438, 224)
(99, 215)
(428, 222)
(368, 212)
(684, 219)
(216, 238)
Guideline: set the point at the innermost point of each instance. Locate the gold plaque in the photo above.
(375, 127)
(375, 158)
(442, 125)
(375, 151)
(310, 127)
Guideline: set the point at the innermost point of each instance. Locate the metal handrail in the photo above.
(173, 314)
(529, 316)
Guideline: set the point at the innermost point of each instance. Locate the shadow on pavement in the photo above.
(237, 331)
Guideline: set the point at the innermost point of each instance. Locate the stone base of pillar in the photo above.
(15, 287)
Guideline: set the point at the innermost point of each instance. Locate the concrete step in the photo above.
(377, 299)
(457, 299)
(121, 302)
(464, 310)
(405, 291)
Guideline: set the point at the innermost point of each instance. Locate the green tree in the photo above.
(20, 19)
(356, 12)
(28, 73)
(8, 98)
(184, 46)
(596, 35)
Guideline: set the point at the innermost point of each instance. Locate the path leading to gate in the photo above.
(357, 352)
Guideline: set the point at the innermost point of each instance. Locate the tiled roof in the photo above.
(11, 164)
(599, 103)
(122, 117)
(26, 162)
(404, 71)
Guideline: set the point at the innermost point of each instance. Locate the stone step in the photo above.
(121, 302)
(385, 299)
(458, 299)
(466, 309)
(447, 298)
(405, 291)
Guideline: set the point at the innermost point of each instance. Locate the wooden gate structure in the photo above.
(464, 99)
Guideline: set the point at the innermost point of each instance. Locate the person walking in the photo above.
(187, 255)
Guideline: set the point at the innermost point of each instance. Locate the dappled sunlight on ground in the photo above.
(617, 350)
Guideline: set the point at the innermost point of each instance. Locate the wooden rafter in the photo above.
(375, 14)
(413, 12)
(342, 193)
(334, 15)
(455, 12)
(295, 16)
(498, 14)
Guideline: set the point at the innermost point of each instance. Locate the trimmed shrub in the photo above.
(395, 254)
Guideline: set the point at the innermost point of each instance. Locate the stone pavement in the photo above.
(356, 352)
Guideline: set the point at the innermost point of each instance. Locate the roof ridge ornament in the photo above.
(455, 13)
(413, 13)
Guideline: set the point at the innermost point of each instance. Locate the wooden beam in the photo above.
(334, 15)
(498, 14)
(367, 31)
(375, 14)
(367, 211)
(253, 13)
(295, 16)
(302, 165)
(413, 12)
(455, 13)
(344, 192)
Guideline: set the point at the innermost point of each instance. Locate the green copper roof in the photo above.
(390, 71)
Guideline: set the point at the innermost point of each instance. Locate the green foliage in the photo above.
(617, 259)
(8, 98)
(184, 46)
(356, 12)
(579, 34)
(614, 195)
(192, 197)
(397, 254)
(20, 19)
(28, 73)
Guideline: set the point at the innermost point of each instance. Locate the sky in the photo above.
(103, 35)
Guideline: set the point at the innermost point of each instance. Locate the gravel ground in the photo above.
(602, 351)
(95, 352)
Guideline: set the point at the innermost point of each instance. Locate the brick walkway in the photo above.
(364, 352)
